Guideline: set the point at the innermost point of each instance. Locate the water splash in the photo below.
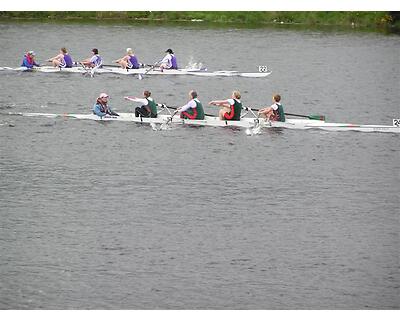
(192, 64)
(254, 131)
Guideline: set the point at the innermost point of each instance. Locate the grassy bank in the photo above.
(352, 19)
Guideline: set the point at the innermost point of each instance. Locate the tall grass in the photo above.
(334, 18)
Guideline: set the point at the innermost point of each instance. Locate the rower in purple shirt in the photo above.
(62, 60)
(129, 61)
(169, 61)
(94, 61)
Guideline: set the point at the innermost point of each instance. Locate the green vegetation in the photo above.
(369, 19)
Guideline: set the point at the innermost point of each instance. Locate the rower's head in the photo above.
(95, 51)
(276, 98)
(31, 53)
(103, 97)
(192, 94)
(236, 94)
(129, 51)
(169, 51)
(146, 93)
(63, 50)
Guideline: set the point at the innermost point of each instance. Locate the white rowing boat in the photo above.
(245, 122)
(142, 71)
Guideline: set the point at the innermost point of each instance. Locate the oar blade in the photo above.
(316, 117)
(311, 117)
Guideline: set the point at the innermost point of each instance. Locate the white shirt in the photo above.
(191, 104)
(275, 106)
(232, 101)
(167, 59)
(94, 58)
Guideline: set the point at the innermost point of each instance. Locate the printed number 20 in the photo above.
(396, 122)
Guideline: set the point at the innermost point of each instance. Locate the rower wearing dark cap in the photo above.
(93, 62)
(169, 61)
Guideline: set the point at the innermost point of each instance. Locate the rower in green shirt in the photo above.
(231, 108)
(148, 108)
(275, 111)
(193, 110)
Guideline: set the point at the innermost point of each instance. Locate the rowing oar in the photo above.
(257, 125)
(311, 116)
(140, 76)
(141, 65)
(111, 65)
(83, 66)
(172, 115)
(88, 71)
(165, 125)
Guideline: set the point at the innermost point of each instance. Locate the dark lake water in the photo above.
(118, 216)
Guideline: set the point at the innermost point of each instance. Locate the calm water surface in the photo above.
(118, 216)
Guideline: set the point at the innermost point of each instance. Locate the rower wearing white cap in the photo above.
(169, 61)
(29, 60)
(101, 107)
(129, 61)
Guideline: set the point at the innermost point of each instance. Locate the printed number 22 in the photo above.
(396, 122)
(262, 68)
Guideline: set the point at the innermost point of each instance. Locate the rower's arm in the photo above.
(124, 58)
(56, 57)
(265, 110)
(220, 103)
(140, 100)
(190, 104)
(166, 59)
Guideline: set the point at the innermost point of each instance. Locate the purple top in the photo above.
(133, 62)
(96, 60)
(68, 61)
(174, 63)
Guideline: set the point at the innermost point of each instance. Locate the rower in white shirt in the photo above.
(93, 62)
(169, 61)
(148, 108)
(193, 110)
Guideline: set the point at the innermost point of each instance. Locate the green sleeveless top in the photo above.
(237, 109)
(280, 113)
(199, 110)
(152, 105)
